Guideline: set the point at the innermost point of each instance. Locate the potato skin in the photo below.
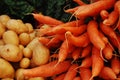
(2, 29)
(6, 69)
(10, 37)
(11, 53)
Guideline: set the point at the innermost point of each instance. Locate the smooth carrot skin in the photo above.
(85, 73)
(108, 52)
(104, 14)
(115, 65)
(47, 70)
(107, 73)
(77, 78)
(44, 40)
(112, 18)
(60, 77)
(79, 2)
(78, 41)
(71, 73)
(93, 34)
(97, 62)
(61, 30)
(46, 19)
(93, 8)
(86, 51)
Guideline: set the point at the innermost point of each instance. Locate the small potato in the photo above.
(10, 37)
(30, 27)
(24, 38)
(2, 29)
(7, 79)
(25, 63)
(6, 69)
(11, 53)
(36, 78)
(4, 19)
(27, 52)
(16, 25)
(19, 74)
(32, 35)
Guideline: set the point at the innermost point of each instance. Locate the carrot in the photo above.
(94, 35)
(76, 53)
(77, 78)
(97, 63)
(85, 73)
(74, 29)
(107, 73)
(108, 52)
(47, 70)
(112, 18)
(46, 19)
(79, 2)
(115, 65)
(60, 77)
(86, 51)
(93, 9)
(44, 40)
(104, 14)
(107, 30)
(78, 41)
(71, 73)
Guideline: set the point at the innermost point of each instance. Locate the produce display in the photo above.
(84, 48)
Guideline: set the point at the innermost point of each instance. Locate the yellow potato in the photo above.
(25, 63)
(32, 35)
(11, 53)
(19, 74)
(10, 37)
(17, 25)
(4, 19)
(27, 52)
(2, 29)
(24, 38)
(7, 79)
(30, 27)
(1, 42)
(6, 69)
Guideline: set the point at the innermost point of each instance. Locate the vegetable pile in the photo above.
(87, 48)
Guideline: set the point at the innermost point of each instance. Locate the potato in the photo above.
(4, 19)
(25, 63)
(24, 38)
(7, 79)
(11, 53)
(1, 42)
(10, 37)
(2, 29)
(30, 27)
(6, 69)
(40, 55)
(32, 35)
(27, 52)
(19, 74)
(36, 78)
(17, 25)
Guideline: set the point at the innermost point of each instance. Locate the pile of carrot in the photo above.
(82, 50)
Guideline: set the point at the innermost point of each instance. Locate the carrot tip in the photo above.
(102, 55)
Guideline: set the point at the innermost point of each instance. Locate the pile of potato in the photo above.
(19, 49)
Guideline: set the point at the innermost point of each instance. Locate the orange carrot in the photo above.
(97, 63)
(108, 52)
(60, 77)
(47, 70)
(79, 2)
(86, 51)
(76, 53)
(77, 78)
(115, 65)
(71, 73)
(78, 41)
(85, 73)
(107, 73)
(44, 40)
(93, 8)
(112, 18)
(93, 34)
(46, 19)
(61, 30)
(104, 14)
